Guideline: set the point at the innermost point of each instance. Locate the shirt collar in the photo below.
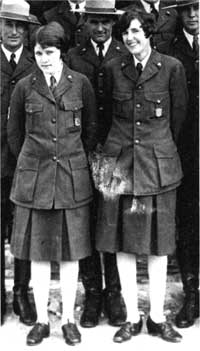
(73, 5)
(56, 74)
(8, 53)
(147, 6)
(189, 37)
(143, 62)
(106, 46)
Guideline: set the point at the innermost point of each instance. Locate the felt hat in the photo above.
(17, 10)
(102, 7)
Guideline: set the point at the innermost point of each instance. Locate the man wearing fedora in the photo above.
(16, 63)
(90, 59)
(166, 22)
(72, 22)
(186, 48)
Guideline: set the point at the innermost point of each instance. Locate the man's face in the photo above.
(100, 28)
(135, 41)
(12, 34)
(190, 18)
(47, 59)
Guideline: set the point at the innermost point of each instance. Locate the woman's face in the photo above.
(134, 39)
(48, 59)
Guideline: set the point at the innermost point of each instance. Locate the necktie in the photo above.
(139, 69)
(100, 54)
(195, 46)
(52, 83)
(77, 7)
(12, 61)
(154, 11)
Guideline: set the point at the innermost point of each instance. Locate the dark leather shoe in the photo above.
(115, 308)
(71, 334)
(23, 308)
(37, 334)
(136, 327)
(127, 331)
(164, 330)
(123, 334)
(92, 310)
(189, 312)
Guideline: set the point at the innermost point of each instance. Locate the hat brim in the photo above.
(180, 5)
(31, 19)
(99, 12)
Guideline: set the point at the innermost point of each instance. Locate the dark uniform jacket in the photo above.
(75, 30)
(147, 116)
(189, 137)
(8, 81)
(85, 60)
(51, 141)
(166, 28)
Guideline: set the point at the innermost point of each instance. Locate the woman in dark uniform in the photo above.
(51, 129)
(140, 169)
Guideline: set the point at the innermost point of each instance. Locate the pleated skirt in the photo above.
(138, 225)
(51, 235)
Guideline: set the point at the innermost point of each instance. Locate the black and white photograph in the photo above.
(99, 175)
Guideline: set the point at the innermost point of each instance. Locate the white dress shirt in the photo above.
(147, 6)
(189, 37)
(73, 5)
(106, 46)
(8, 53)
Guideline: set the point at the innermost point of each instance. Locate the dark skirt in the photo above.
(51, 235)
(138, 225)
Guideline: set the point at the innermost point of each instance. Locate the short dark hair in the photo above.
(147, 21)
(51, 34)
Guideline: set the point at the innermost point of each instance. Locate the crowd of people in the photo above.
(99, 159)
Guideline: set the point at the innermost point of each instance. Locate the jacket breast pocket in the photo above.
(122, 104)
(73, 120)
(157, 105)
(169, 164)
(33, 115)
(25, 178)
(81, 178)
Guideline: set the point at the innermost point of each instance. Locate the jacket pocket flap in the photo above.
(78, 162)
(156, 97)
(165, 150)
(31, 107)
(72, 105)
(122, 96)
(28, 163)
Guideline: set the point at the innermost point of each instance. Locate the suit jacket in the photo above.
(50, 135)
(85, 60)
(9, 79)
(167, 26)
(147, 114)
(189, 136)
(75, 30)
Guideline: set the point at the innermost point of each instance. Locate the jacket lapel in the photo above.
(89, 54)
(114, 48)
(42, 88)
(5, 66)
(152, 67)
(65, 82)
(183, 46)
(25, 61)
(128, 67)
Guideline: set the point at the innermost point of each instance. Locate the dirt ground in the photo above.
(13, 333)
